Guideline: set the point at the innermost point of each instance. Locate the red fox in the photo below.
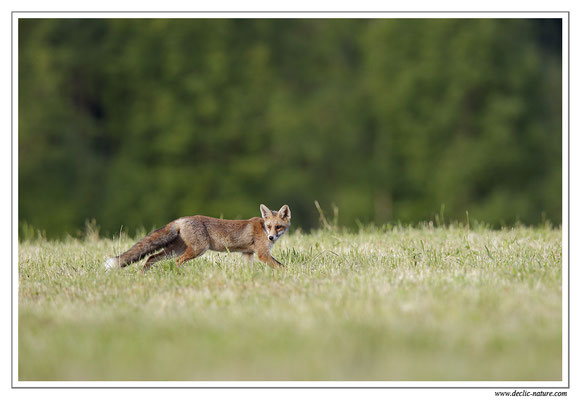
(190, 237)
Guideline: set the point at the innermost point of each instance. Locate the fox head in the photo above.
(276, 223)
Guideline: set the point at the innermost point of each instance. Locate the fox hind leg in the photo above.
(162, 255)
(174, 249)
(191, 253)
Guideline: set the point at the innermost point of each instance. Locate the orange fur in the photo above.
(190, 237)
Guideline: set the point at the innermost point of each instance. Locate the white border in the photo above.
(500, 385)
(565, 201)
(14, 271)
(292, 15)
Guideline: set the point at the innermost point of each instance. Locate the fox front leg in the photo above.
(249, 258)
(266, 258)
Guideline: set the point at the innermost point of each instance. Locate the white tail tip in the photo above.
(111, 263)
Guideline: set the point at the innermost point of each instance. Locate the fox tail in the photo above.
(154, 241)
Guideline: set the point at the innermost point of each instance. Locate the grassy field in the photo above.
(382, 304)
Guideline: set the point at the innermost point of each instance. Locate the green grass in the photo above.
(382, 304)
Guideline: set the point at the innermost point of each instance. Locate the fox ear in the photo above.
(265, 211)
(284, 212)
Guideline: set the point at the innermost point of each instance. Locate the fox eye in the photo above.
(278, 227)
(268, 226)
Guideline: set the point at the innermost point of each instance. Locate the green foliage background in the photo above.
(135, 122)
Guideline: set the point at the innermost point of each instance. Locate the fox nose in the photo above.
(270, 237)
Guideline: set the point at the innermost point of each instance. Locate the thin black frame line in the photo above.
(287, 387)
(290, 12)
(12, 200)
(568, 13)
(568, 197)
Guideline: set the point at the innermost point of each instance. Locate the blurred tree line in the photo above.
(135, 122)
